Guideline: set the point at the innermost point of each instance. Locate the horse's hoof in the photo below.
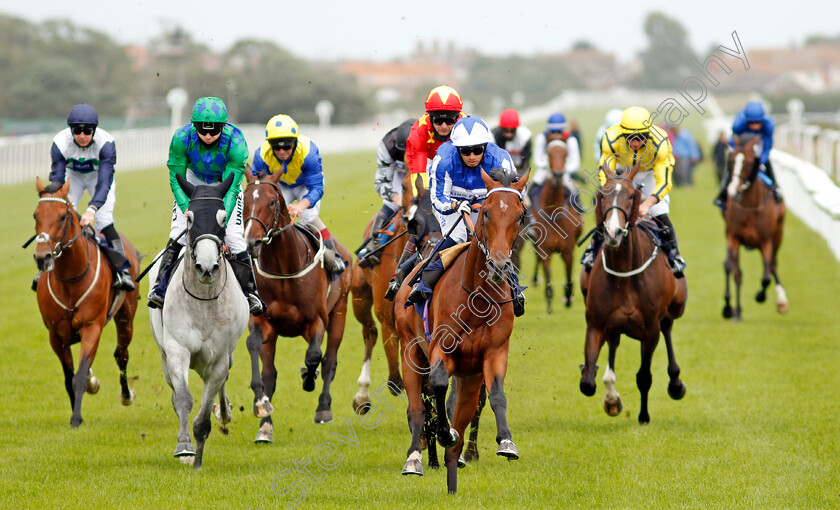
(361, 402)
(761, 296)
(471, 455)
(507, 449)
(92, 385)
(548, 308)
(217, 410)
(462, 462)
(644, 418)
(737, 318)
(613, 408)
(76, 422)
(451, 441)
(263, 407)
(184, 450)
(127, 401)
(587, 388)
(308, 382)
(414, 464)
(676, 390)
(396, 386)
(265, 434)
(782, 307)
(323, 416)
(727, 312)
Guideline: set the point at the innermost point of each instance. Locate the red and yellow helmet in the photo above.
(444, 98)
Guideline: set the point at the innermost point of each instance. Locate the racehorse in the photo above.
(558, 225)
(203, 316)
(302, 300)
(471, 317)
(755, 220)
(632, 291)
(75, 296)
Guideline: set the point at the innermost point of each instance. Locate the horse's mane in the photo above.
(503, 176)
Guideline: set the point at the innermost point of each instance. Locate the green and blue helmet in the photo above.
(210, 110)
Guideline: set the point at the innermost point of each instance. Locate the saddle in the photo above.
(116, 261)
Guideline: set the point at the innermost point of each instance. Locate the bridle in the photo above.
(273, 231)
(624, 231)
(60, 245)
(192, 249)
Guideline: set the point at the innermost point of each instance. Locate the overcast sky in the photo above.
(384, 29)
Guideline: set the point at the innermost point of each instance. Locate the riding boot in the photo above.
(720, 200)
(366, 258)
(35, 281)
(332, 259)
(774, 185)
(668, 236)
(244, 271)
(122, 278)
(404, 266)
(167, 262)
(588, 258)
(423, 289)
(516, 294)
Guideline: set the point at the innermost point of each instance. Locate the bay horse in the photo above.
(203, 316)
(754, 220)
(302, 300)
(75, 295)
(558, 224)
(470, 319)
(632, 291)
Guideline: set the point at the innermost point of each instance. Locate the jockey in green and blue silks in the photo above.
(753, 120)
(205, 151)
(301, 182)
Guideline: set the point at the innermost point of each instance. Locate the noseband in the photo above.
(58, 248)
(480, 242)
(623, 211)
(273, 231)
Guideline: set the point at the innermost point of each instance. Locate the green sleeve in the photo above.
(177, 164)
(237, 157)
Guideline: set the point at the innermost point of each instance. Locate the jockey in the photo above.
(635, 140)
(295, 156)
(443, 109)
(207, 150)
(86, 155)
(556, 129)
(390, 172)
(753, 119)
(456, 184)
(515, 139)
(612, 118)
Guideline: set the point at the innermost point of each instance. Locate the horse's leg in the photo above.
(728, 270)
(391, 344)
(612, 400)
(362, 303)
(256, 336)
(594, 341)
(781, 297)
(439, 381)
(495, 367)
(269, 381)
(223, 410)
(314, 334)
(549, 291)
(429, 426)
(766, 259)
(176, 361)
(90, 341)
(567, 255)
(736, 271)
(213, 385)
(335, 332)
(676, 388)
(644, 378)
(65, 357)
(124, 321)
(471, 453)
(415, 412)
(467, 401)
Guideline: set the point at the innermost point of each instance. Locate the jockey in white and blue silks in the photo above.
(85, 156)
(455, 185)
(754, 120)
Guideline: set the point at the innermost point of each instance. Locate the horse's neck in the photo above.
(553, 194)
(75, 259)
(474, 275)
(754, 195)
(631, 254)
(287, 253)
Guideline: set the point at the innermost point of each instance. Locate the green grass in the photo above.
(757, 428)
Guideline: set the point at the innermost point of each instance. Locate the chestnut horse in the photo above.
(557, 225)
(632, 291)
(75, 295)
(471, 319)
(755, 220)
(302, 300)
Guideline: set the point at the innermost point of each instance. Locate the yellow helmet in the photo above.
(281, 126)
(635, 120)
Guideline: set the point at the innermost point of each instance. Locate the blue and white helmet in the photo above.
(754, 111)
(556, 122)
(469, 131)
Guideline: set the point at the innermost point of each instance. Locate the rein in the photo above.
(273, 231)
(624, 232)
(87, 291)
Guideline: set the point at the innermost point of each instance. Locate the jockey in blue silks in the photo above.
(753, 119)
(456, 184)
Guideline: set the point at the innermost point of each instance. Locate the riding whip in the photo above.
(149, 267)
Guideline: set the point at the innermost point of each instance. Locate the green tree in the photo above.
(668, 58)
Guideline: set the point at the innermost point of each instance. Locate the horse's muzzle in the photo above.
(45, 262)
(496, 271)
(207, 275)
(254, 248)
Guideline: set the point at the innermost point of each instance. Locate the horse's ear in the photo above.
(489, 183)
(226, 185)
(520, 183)
(39, 186)
(65, 190)
(188, 188)
(737, 141)
(249, 175)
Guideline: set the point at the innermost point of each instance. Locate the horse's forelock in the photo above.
(503, 176)
(51, 188)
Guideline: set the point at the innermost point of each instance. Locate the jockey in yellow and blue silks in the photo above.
(635, 140)
(455, 185)
(207, 150)
(753, 120)
(296, 157)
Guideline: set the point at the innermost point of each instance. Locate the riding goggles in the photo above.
(478, 150)
(82, 128)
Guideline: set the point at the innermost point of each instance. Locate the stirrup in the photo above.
(155, 299)
(393, 288)
(519, 305)
(417, 296)
(123, 281)
(256, 305)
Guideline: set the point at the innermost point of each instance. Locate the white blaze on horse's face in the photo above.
(206, 253)
(612, 223)
(737, 166)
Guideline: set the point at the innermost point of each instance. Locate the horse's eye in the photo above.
(35, 216)
(63, 217)
(273, 202)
